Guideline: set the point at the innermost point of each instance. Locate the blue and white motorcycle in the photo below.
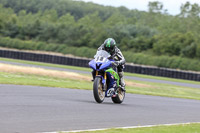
(106, 81)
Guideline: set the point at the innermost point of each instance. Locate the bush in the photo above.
(189, 51)
(198, 51)
(137, 58)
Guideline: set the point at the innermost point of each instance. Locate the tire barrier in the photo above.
(82, 62)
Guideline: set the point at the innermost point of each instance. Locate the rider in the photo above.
(109, 45)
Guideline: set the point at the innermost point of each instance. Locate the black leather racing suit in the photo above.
(117, 56)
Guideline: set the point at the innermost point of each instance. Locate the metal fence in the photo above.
(73, 61)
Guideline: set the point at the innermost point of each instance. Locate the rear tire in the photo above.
(99, 94)
(120, 96)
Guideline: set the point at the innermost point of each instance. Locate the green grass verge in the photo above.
(166, 90)
(162, 78)
(140, 87)
(35, 80)
(88, 69)
(183, 128)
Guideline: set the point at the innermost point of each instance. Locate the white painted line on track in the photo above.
(87, 130)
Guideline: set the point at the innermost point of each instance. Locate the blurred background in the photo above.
(156, 33)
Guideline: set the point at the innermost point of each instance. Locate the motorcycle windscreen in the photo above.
(102, 53)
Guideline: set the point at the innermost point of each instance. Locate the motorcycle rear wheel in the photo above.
(99, 94)
(120, 96)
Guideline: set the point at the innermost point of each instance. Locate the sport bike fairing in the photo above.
(101, 62)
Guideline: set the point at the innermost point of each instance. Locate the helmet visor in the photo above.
(109, 49)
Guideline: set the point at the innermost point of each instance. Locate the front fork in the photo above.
(104, 78)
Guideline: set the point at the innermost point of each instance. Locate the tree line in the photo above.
(67, 24)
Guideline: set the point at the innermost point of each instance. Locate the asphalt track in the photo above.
(30, 109)
(126, 77)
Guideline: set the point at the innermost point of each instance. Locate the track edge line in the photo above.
(128, 127)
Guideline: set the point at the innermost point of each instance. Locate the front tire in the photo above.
(99, 94)
(120, 96)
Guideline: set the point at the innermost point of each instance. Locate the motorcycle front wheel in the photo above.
(99, 94)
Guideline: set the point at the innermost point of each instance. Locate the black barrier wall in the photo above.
(73, 61)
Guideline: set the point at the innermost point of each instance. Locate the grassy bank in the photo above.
(89, 70)
(182, 128)
(10, 74)
(35, 80)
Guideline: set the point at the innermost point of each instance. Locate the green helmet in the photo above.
(109, 45)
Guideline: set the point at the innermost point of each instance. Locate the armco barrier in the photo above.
(73, 61)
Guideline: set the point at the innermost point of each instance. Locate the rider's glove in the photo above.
(115, 63)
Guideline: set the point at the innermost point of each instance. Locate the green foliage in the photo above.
(189, 51)
(138, 58)
(175, 44)
(198, 51)
(155, 7)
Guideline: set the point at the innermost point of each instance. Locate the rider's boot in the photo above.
(122, 83)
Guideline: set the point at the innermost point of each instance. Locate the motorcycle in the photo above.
(106, 78)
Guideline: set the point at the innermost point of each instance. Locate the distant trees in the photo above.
(155, 7)
(190, 10)
(176, 44)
